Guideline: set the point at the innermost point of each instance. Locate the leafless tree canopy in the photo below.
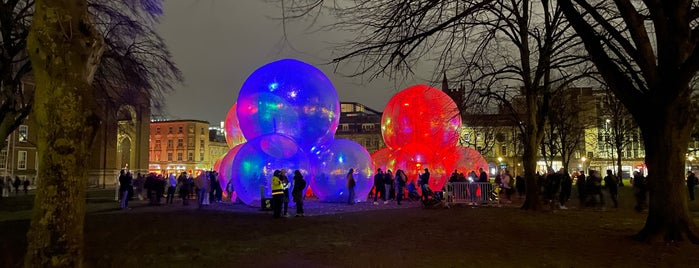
(136, 63)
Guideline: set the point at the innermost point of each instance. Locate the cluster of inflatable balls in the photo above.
(421, 127)
(285, 117)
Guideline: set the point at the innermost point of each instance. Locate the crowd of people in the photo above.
(556, 188)
(205, 188)
(7, 184)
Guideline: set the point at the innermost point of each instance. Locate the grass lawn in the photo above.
(410, 236)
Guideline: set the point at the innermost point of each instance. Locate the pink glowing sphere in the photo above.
(225, 166)
(420, 114)
(289, 97)
(234, 135)
(330, 168)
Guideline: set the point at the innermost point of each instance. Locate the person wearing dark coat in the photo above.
(297, 192)
(566, 189)
(612, 185)
(580, 183)
(691, 182)
(379, 186)
(125, 181)
(424, 183)
(639, 187)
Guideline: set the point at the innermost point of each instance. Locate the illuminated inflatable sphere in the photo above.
(420, 114)
(292, 98)
(469, 159)
(225, 166)
(383, 159)
(414, 158)
(234, 135)
(331, 167)
(255, 162)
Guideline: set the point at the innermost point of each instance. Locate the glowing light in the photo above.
(254, 165)
(292, 98)
(331, 167)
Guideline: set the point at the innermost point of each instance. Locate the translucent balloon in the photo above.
(292, 98)
(255, 162)
(414, 158)
(420, 114)
(469, 159)
(225, 167)
(383, 159)
(331, 167)
(234, 135)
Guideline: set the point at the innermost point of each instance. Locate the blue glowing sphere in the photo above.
(255, 162)
(289, 97)
(331, 167)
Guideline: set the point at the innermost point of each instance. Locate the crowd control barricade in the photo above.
(473, 193)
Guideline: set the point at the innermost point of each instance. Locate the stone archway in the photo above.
(126, 135)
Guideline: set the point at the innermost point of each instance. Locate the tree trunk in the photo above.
(532, 201)
(666, 135)
(64, 49)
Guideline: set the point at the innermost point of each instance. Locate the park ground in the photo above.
(362, 235)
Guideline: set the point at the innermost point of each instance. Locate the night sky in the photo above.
(218, 43)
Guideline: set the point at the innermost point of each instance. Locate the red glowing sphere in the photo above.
(383, 159)
(414, 158)
(420, 114)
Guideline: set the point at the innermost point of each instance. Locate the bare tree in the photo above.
(136, 65)
(620, 129)
(490, 44)
(648, 53)
(567, 122)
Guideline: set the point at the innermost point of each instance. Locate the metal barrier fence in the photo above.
(476, 193)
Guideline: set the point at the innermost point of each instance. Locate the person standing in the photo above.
(185, 187)
(285, 188)
(297, 192)
(229, 190)
(388, 185)
(639, 188)
(277, 194)
(401, 179)
(612, 185)
(203, 184)
(350, 186)
(425, 183)
(25, 186)
(172, 185)
(124, 186)
(566, 189)
(16, 184)
(140, 184)
(691, 182)
(483, 177)
(580, 183)
(379, 186)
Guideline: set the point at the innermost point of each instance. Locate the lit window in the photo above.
(190, 156)
(3, 158)
(180, 143)
(23, 132)
(179, 156)
(22, 160)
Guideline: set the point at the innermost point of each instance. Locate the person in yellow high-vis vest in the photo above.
(277, 194)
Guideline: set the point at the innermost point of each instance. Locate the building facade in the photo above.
(360, 124)
(179, 145)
